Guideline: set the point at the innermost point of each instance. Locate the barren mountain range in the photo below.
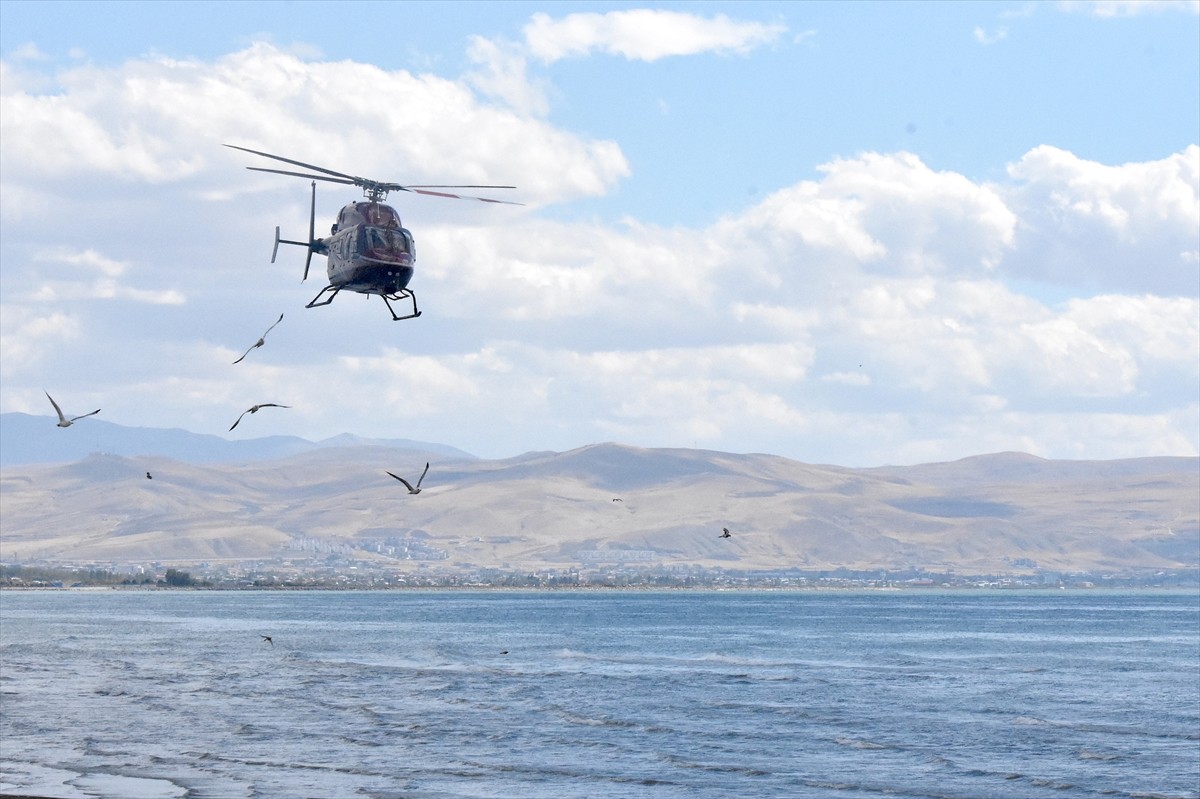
(606, 503)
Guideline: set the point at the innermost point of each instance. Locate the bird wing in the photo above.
(57, 409)
(402, 480)
(422, 477)
(93, 413)
(272, 327)
(235, 424)
(271, 405)
(261, 340)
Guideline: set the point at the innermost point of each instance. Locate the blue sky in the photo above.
(856, 233)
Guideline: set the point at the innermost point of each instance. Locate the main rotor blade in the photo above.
(455, 196)
(370, 185)
(448, 186)
(302, 175)
(298, 163)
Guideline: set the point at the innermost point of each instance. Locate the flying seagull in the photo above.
(724, 533)
(267, 638)
(62, 420)
(261, 341)
(256, 409)
(408, 485)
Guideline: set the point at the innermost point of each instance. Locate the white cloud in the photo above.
(504, 76)
(805, 37)
(882, 276)
(105, 289)
(421, 384)
(1067, 360)
(162, 120)
(643, 34)
(890, 213)
(62, 285)
(1129, 8)
(1155, 329)
(29, 334)
(682, 394)
(849, 378)
(27, 52)
(1132, 226)
(89, 259)
(985, 38)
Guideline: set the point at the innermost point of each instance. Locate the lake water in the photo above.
(415, 694)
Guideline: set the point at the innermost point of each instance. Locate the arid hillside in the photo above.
(611, 503)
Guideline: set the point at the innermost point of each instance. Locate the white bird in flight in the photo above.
(256, 409)
(408, 485)
(261, 339)
(62, 420)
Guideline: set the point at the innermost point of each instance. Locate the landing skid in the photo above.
(404, 294)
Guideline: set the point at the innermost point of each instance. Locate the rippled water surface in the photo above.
(155, 694)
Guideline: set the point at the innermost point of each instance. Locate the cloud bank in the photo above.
(885, 311)
(643, 35)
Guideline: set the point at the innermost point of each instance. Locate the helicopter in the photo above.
(368, 250)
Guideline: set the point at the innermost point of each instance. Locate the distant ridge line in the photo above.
(28, 440)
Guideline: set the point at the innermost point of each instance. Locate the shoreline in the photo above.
(639, 589)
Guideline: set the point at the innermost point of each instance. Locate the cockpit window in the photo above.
(388, 243)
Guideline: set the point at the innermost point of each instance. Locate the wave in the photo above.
(780, 707)
(859, 743)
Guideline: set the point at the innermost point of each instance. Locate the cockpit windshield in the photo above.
(388, 244)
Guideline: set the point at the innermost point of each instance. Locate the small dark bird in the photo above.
(267, 638)
(617, 499)
(256, 409)
(148, 477)
(62, 420)
(503, 651)
(261, 341)
(724, 533)
(408, 485)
